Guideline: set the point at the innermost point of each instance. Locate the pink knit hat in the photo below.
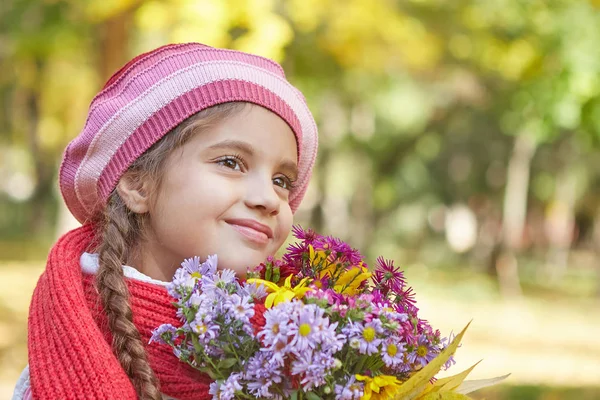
(155, 92)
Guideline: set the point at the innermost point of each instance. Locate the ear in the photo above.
(135, 193)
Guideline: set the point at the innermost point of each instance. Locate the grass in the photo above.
(544, 339)
(539, 392)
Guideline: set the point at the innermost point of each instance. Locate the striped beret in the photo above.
(155, 92)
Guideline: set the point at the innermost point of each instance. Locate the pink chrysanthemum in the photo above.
(388, 277)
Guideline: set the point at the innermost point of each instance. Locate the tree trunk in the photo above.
(560, 225)
(39, 218)
(114, 35)
(514, 213)
(596, 247)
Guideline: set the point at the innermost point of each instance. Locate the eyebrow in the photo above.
(233, 144)
(287, 165)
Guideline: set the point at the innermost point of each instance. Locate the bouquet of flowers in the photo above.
(317, 324)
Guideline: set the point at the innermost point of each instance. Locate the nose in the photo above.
(261, 195)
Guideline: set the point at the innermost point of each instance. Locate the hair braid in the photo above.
(127, 344)
(122, 233)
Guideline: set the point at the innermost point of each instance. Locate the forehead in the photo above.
(262, 129)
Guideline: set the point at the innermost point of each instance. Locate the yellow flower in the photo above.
(281, 294)
(350, 280)
(316, 255)
(319, 258)
(379, 387)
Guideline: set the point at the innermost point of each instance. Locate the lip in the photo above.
(253, 230)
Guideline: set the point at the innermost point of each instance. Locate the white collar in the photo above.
(89, 265)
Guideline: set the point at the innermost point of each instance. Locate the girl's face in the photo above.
(224, 192)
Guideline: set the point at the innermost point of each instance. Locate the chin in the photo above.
(241, 264)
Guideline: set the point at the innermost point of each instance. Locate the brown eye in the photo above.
(284, 182)
(231, 163)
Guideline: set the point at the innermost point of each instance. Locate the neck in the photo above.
(151, 261)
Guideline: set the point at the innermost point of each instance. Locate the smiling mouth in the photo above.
(252, 231)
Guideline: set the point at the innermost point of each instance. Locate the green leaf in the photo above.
(190, 315)
(312, 396)
(294, 395)
(268, 272)
(226, 363)
(210, 372)
(276, 274)
(411, 388)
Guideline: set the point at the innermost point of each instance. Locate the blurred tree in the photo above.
(421, 104)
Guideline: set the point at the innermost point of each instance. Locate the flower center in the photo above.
(196, 275)
(369, 334)
(304, 329)
(279, 346)
(201, 328)
(275, 329)
(422, 351)
(392, 350)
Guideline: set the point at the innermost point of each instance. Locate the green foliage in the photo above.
(418, 102)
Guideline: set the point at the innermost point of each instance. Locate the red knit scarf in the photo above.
(69, 343)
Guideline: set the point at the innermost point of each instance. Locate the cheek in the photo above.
(286, 219)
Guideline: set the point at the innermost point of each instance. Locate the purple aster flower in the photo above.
(262, 373)
(392, 352)
(354, 331)
(191, 265)
(165, 329)
(445, 342)
(177, 352)
(215, 390)
(181, 284)
(277, 330)
(204, 328)
(304, 326)
(364, 337)
(240, 306)
(352, 390)
(206, 305)
(209, 267)
(394, 319)
(205, 302)
(230, 386)
(312, 368)
(218, 281)
(369, 342)
(423, 353)
(254, 290)
(326, 335)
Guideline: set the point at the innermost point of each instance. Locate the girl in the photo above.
(188, 150)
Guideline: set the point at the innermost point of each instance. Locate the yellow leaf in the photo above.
(471, 386)
(445, 396)
(411, 388)
(449, 383)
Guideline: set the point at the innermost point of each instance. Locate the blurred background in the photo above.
(460, 138)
